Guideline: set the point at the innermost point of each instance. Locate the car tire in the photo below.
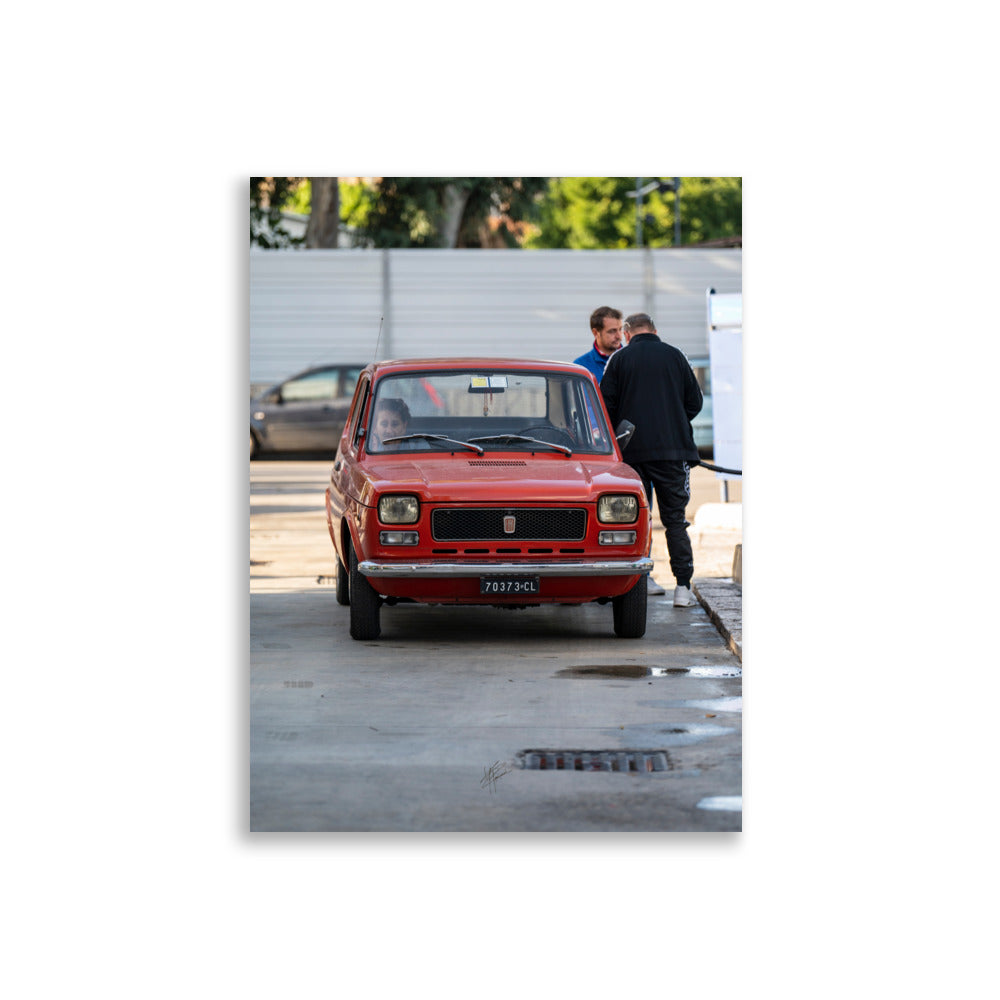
(253, 446)
(365, 604)
(629, 612)
(343, 586)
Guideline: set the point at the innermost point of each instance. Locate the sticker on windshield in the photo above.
(487, 383)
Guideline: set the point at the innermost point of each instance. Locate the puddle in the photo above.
(703, 671)
(713, 704)
(732, 803)
(622, 670)
(684, 735)
(637, 670)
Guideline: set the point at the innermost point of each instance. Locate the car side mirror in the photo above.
(624, 432)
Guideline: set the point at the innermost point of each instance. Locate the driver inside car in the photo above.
(392, 418)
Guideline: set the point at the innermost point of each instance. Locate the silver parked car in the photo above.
(306, 412)
(702, 424)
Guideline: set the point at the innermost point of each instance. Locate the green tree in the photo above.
(587, 213)
(443, 211)
(269, 196)
(324, 215)
(711, 208)
(535, 212)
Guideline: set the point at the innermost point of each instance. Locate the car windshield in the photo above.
(489, 409)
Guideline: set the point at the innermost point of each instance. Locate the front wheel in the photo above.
(365, 604)
(629, 612)
(343, 593)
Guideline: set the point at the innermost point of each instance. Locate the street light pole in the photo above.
(656, 185)
(638, 211)
(640, 190)
(677, 211)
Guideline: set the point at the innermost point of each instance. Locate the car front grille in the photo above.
(530, 524)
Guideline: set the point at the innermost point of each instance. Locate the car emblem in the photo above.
(508, 524)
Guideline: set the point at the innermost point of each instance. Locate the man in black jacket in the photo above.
(651, 384)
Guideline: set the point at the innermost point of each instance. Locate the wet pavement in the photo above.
(723, 600)
(715, 532)
(482, 719)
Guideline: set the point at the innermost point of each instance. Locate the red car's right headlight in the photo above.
(618, 508)
(398, 508)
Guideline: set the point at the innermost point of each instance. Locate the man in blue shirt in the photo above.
(606, 326)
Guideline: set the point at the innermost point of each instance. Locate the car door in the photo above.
(347, 383)
(303, 414)
(344, 475)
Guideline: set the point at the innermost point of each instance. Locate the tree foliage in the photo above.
(588, 213)
(269, 196)
(443, 211)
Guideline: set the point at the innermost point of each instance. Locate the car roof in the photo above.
(471, 364)
(327, 368)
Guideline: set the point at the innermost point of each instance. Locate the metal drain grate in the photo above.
(621, 761)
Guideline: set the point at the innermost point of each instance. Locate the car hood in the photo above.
(492, 479)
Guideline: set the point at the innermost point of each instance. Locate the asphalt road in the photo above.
(474, 719)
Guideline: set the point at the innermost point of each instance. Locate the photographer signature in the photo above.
(491, 774)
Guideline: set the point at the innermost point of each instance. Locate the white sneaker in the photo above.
(652, 587)
(683, 598)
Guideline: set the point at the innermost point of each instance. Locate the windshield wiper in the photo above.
(528, 440)
(434, 437)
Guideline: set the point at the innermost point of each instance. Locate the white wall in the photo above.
(316, 306)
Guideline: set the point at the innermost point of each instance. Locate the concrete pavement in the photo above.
(716, 533)
(400, 734)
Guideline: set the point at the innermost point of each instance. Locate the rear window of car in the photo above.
(556, 407)
(311, 387)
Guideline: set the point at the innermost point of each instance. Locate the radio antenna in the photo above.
(378, 338)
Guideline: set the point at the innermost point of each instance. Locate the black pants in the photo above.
(672, 482)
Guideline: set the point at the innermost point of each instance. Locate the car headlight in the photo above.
(618, 508)
(399, 508)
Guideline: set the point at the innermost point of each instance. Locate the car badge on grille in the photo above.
(508, 524)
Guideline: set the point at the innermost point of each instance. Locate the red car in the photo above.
(485, 481)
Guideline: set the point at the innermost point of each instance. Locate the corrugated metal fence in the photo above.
(323, 306)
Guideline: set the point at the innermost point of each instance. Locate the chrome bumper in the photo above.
(609, 567)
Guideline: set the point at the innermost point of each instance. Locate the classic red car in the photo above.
(485, 481)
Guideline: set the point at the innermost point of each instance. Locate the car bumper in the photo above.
(604, 567)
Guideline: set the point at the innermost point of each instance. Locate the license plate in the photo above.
(508, 585)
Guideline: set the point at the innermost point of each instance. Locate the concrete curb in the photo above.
(722, 598)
